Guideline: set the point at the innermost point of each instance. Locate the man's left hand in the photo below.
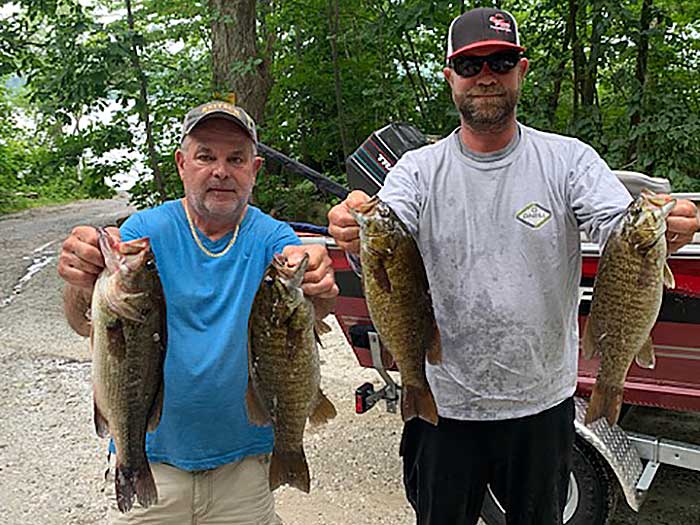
(319, 279)
(683, 222)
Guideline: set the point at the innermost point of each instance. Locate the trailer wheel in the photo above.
(592, 496)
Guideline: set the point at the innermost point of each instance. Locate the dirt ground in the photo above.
(52, 463)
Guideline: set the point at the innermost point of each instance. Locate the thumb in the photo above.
(356, 198)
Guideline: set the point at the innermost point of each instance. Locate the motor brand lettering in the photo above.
(384, 161)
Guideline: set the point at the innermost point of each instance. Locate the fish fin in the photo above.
(646, 358)
(130, 483)
(289, 468)
(669, 280)
(163, 331)
(588, 346)
(434, 353)
(323, 411)
(606, 401)
(381, 277)
(418, 402)
(257, 413)
(156, 410)
(101, 423)
(116, 343)
(322, 327)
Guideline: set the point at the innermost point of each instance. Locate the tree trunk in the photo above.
(333, 25)
(409, 75)
(237, 65)
(553, 101)
(416, 62)
(589, 98)
(640, 74)
(590, 81)
(143, 105)
(404, 62)
(579, 58)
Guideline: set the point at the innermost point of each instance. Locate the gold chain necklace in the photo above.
(199, 242)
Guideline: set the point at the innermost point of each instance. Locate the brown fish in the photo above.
(398, 299)
(284, 373)
(128, 340)
(627, 296)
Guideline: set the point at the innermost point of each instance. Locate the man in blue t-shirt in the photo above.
(211, 250)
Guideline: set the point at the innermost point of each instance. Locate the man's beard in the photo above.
(488, 114)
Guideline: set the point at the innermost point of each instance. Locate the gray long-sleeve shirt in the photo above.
(500, 239)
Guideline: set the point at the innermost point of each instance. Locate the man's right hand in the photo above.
(81, 260)
(341, 224)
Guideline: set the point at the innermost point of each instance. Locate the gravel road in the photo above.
(52, 463)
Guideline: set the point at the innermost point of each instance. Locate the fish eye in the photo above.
(384, 212)
(269, 280)
(150, 265)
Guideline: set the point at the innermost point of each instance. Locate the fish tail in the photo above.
(606, 401)
(418, 402)
(434, 353)
(130, 483)
(289, 467)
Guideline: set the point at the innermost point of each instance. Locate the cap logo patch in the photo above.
(533, 215)
(222, 106)
(500, 23)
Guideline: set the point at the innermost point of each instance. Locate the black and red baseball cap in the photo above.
(482, 27)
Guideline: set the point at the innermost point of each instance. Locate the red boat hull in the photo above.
(673, 384)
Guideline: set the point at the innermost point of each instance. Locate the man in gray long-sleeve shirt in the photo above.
(496, 208)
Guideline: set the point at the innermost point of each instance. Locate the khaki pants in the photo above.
(233, 494)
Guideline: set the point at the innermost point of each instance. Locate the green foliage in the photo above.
(80, 87)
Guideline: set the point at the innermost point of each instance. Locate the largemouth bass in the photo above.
(284, 384)
(128, 339)
(627, 296)
(398, 299)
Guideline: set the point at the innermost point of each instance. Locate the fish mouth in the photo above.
(290, 272)
(363, 209)
(123, 256)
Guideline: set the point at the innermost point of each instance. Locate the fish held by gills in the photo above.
(128, 339)
(396, 289)
(284, 380)
(627, 296)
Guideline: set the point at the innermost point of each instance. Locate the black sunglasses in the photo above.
(469, 66)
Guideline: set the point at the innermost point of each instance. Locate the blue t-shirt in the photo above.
(208, 300)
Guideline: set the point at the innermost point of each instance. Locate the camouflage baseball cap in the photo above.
(219, 109)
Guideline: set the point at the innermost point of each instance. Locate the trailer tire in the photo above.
(593, 492)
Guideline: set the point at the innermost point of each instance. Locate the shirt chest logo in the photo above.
(534, 215)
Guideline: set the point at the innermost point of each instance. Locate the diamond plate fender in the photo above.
(616, 448)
